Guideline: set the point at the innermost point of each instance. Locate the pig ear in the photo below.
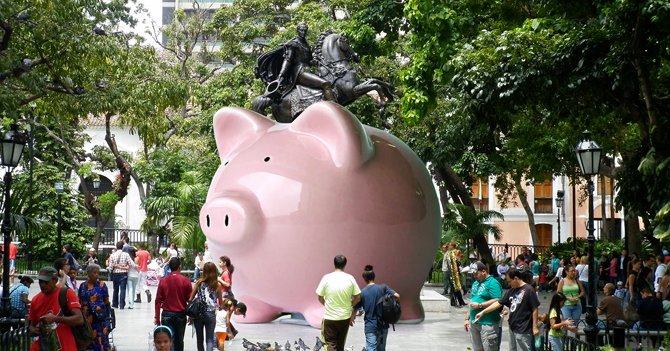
(236, 128)
(340, 131)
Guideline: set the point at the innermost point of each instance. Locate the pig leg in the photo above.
(257, 311)
(412, 310)
(314, 314)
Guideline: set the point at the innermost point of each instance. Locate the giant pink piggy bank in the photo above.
(288, 198)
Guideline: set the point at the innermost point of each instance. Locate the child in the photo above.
(543, 282)
(542, 323)
(162, 338)
(556, 322)
(224, 327)
(73, 279)
(620, 292)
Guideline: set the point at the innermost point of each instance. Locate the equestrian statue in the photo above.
(291, 86)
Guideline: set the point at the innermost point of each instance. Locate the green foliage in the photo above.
(464, 223)
(565, 249)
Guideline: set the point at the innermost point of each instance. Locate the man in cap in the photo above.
(45, 310)
(486, 291)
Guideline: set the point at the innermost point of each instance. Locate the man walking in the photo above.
(45, 311)
(335, 292)
(172, 296)
(144, 258)
(120, 263)
(486, 291)
(199, 265)
(376, 328)
(522, 302)
(622, 266)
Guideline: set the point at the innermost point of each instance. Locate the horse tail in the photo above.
(260, 104)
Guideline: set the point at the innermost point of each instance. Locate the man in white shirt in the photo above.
(335, 292)
(658, 275)
(199, 265)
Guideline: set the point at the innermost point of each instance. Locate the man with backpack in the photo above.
(486, 291)
(45, 311)
(379, 311)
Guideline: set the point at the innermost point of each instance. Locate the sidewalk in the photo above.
(439, 331)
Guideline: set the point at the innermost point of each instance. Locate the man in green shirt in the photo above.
(486, 291)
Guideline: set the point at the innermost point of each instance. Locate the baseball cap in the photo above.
(665, 253)
(619, 283)
(47, 273)
(445, 246)
(91, 249)
(481, 266)
(452, 244)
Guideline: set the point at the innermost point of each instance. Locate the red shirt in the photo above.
(173, 293)
(144, 258)
(43, 303)
(226, 277)
(12, 251)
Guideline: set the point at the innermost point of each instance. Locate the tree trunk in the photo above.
(101, 222)
(523, 197)
(633, 234)
(459, 194)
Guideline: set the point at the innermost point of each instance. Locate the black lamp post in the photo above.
(588, 155)
(12, 147)
(60, 187)
(559, 204)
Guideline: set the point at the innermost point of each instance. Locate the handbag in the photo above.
(83, 333)
(100, 315)
(196, 308)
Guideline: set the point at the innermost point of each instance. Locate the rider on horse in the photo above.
(295, 60)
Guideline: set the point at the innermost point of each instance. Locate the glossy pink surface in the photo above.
(288, 198)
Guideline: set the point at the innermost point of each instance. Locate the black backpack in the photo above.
(390, 307)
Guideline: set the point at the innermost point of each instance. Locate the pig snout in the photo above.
(227, 220)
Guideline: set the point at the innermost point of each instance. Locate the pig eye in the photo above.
(225, 164)
(207, 221)
(226, 221)
(267, 159)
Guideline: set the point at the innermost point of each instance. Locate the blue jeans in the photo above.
(130, 290)
(556, 343)
(376, 341)
(196, 273)
(120, 281)
(208, 322)
(574, 312)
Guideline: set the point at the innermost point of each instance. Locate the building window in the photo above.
(543, 197)
(480, 193)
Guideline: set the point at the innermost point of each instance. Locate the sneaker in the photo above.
(148, 296)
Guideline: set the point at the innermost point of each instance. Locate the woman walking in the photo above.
(94, 300)
(557, 323)
(133, 277)
(208, 290)
(573, 291)
(583, 277)
(226, 279)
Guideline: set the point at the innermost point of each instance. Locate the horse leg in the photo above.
(366, 87)
(388, 87)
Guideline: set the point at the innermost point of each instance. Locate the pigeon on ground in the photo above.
(319, 344)
(287, 347)
(277, 347)
(296, 346)
(248, 344)
(302, 344)
(350, 348)
(264, 345)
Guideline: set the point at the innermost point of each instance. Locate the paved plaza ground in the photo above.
(440, 331)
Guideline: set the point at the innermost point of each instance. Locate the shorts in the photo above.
(221, 337)
(484, 336)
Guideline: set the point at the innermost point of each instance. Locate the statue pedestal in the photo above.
(432, 301)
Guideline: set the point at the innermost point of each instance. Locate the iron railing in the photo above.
(18, 339)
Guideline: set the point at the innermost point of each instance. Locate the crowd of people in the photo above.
(635, 294)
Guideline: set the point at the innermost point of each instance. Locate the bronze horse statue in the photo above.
(332, 55)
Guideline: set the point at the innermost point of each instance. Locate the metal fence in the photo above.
(18, 339)
(111, 236)
(499, 251)
(646, 336)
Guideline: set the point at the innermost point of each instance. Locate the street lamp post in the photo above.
(559, 204)
(60, 187)
(588, 155)
(11, 149)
